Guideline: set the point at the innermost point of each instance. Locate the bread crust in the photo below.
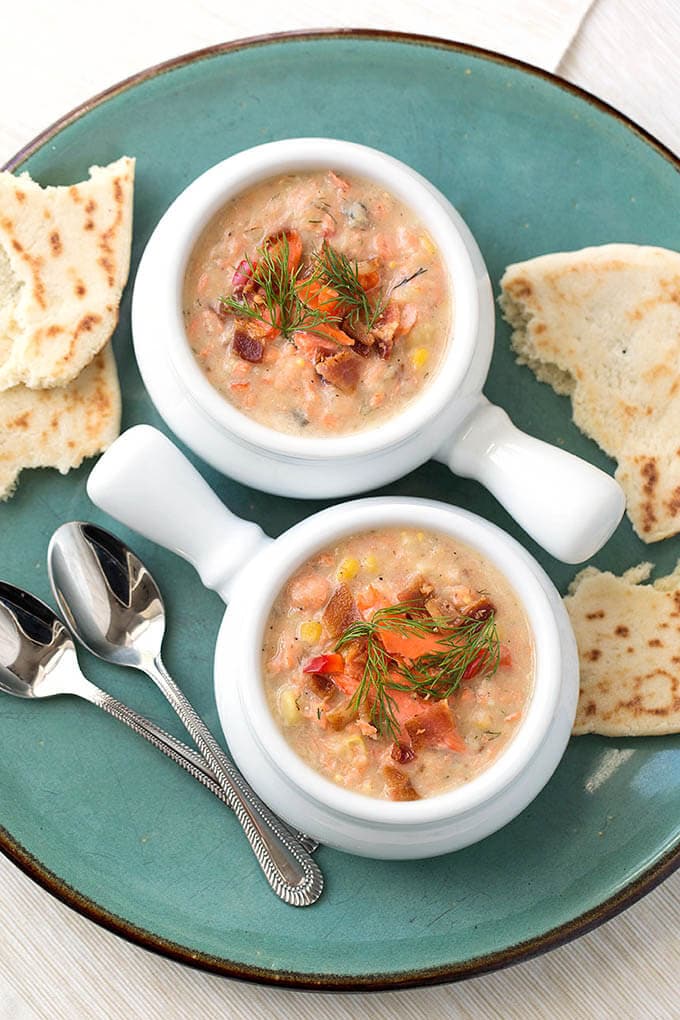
(64, 260)
(628, 636)
(602, 325)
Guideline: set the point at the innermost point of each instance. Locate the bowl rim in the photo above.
(285, 555)
(157, 295)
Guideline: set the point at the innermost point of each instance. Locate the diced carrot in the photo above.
(506, 656)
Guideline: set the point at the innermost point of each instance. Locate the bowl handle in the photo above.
(146, 483)
(568, 506)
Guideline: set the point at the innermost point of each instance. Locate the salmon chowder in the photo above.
(398, 663)
(317, 304)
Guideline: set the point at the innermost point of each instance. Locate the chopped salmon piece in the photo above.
(435, 727)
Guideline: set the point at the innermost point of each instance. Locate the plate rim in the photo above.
(638, 887)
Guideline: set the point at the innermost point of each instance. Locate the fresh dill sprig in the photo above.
(342, 274)
(280, 303)
(407, 279)
(464, 643)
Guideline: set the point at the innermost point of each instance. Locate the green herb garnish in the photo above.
(280, 304)
(466, 644)
(342, 274)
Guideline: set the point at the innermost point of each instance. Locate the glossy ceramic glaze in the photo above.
(340, 817)
(571, 513)
(144, 482)
(605, 828)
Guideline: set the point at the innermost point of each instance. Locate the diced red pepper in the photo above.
(332, 663)
(473, 668)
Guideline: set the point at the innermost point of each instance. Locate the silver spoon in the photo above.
(114, 607)
(38, 660)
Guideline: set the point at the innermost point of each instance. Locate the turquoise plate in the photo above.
(101, 819)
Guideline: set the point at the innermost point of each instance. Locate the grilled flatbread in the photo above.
(64, 260)
(628, 636)
(59, 427)
(603, 325)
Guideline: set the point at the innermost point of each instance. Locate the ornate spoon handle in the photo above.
(175, 749)
(287, 866)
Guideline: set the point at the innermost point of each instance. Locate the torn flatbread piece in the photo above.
(59, 427)
(64, 260)
(628, 636)
(603, 325)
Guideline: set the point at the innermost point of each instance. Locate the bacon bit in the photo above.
(435, 727)
(480, 609)
(320, 685)
(418, 591)
(341, 612)
(246, 346)
(384, 331)
(443, 608)
(398, 785)
(342, 715)
(341, 370)
(402, 753)
(332, 663)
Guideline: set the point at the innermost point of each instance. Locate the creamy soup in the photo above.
(317, 304)
(398, 663)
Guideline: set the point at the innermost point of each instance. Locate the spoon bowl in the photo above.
(115, 608)
(37, 653)
(108, 597)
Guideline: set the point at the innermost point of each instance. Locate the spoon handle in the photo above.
(287, 866)
(175, 749)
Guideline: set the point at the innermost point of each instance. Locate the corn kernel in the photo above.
(427, 245)
(300, 362)
(353, 748)
(370, 563)
(310, 632)
(419, 357)
(349, 568)
(420, 535)
(290, 713)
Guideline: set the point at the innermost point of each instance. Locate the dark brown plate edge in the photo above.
(551, 939)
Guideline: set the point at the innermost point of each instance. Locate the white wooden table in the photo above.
(53, 963)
